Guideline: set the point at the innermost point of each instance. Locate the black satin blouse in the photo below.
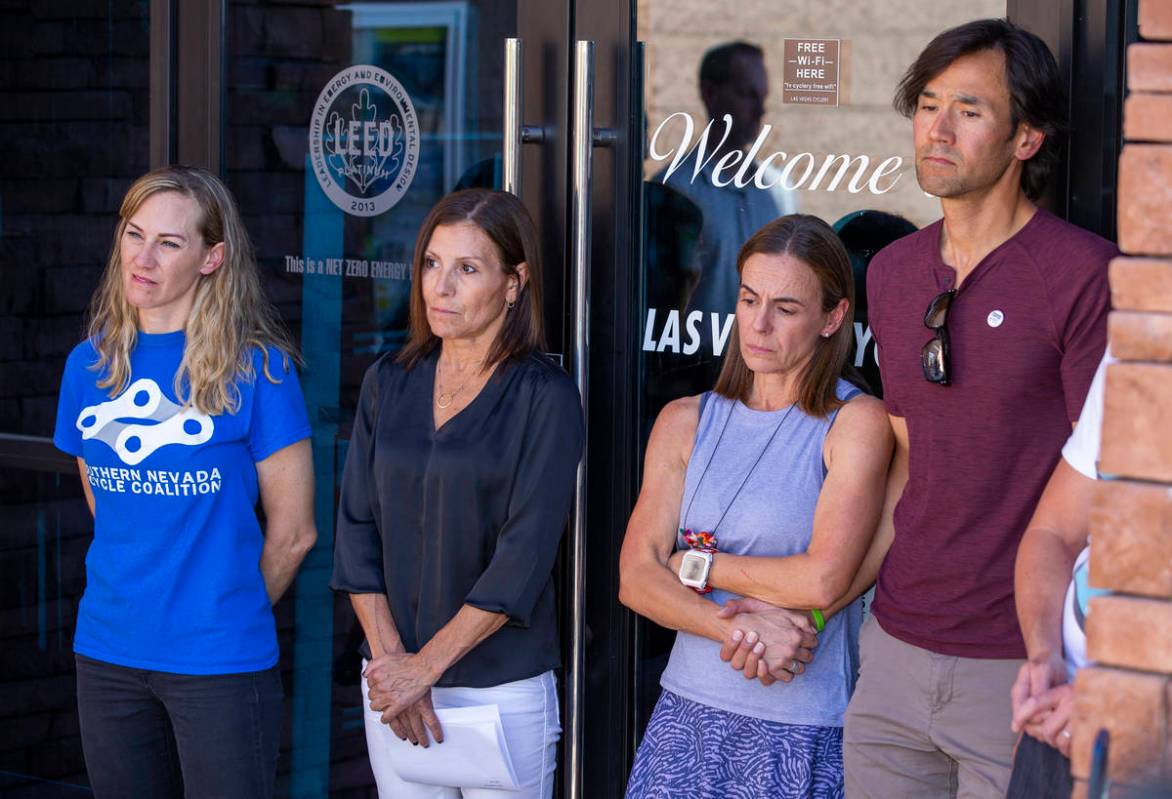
(471, 513)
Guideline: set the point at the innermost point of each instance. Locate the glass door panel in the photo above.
(796, 99)
(344, 123)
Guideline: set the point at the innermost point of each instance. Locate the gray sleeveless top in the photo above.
(773, 515)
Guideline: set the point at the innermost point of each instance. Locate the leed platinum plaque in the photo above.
(364, 140)
(811, 71)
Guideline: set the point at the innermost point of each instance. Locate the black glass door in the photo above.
(73, 79)
(343, 123)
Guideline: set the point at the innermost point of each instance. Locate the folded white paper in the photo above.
(474, 753)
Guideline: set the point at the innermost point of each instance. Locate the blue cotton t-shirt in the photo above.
(173, 580)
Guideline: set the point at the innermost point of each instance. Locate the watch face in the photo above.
(692, 569)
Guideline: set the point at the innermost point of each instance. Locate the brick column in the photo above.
(1129, 692)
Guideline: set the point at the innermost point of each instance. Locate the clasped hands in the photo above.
(1042, 702)
(767, 643)
(399, 687)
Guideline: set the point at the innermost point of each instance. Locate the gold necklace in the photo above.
(446, 398)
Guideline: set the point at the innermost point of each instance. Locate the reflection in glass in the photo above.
(338, 262)
(723, 146)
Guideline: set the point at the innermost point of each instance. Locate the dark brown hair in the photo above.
(1036, 95)
(814, 243)
(501, 217)
(716, 65)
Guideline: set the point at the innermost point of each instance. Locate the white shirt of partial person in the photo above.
(1081, 451)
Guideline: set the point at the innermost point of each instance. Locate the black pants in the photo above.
(1039, 772)
(149, 734)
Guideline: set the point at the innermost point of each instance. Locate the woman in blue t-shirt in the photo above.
(182, 409)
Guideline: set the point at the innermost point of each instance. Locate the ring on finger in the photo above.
(795, 666)
(1067, 734)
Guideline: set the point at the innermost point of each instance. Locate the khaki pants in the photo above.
(927, 725)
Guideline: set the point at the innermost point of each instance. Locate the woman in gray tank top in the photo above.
(767, 490)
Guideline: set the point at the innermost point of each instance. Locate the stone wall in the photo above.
(1129, 692)
(880, 40)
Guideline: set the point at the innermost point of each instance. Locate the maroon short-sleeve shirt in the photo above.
(1027, 329)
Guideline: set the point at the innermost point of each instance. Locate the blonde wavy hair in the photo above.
(230, 316)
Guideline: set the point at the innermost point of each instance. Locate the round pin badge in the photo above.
(995, 318)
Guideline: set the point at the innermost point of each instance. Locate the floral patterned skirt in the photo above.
(693, 751)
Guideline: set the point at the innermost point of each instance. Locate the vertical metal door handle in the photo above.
(584, 137)
(516, 131)
(511, 156)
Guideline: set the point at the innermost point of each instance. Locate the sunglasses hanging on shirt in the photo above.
(935, 356)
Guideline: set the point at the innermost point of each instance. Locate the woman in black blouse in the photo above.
(454, 499)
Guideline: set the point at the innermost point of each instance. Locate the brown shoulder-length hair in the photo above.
(815, 244)
(507, 223)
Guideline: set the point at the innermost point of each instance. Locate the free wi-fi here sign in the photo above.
(810, 75)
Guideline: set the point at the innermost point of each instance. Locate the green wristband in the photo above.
(819, 620)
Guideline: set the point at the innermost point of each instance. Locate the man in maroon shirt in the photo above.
(989, 324)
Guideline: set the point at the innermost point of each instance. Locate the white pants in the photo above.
(529, 716)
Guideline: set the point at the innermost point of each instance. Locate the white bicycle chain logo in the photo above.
(134, 442)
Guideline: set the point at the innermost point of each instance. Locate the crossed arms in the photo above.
(840, 562)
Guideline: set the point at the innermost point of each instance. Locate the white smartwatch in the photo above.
(694, 569)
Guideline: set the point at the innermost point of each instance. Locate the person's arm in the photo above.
(358, 549)
(510, 586)
(539, 498)
(878, 273)
(739, 655)
(358, 564)
(1051, 544)
(897, 474)
(650, 588)
(389, 662)
(358, 546)
(278, 441)
(857, 452)
(1055, 536)
(85, 484)
(286, 494)
(66, 436)
(374, 615)
(646, 584)
(399, 680)
(1059, 529)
